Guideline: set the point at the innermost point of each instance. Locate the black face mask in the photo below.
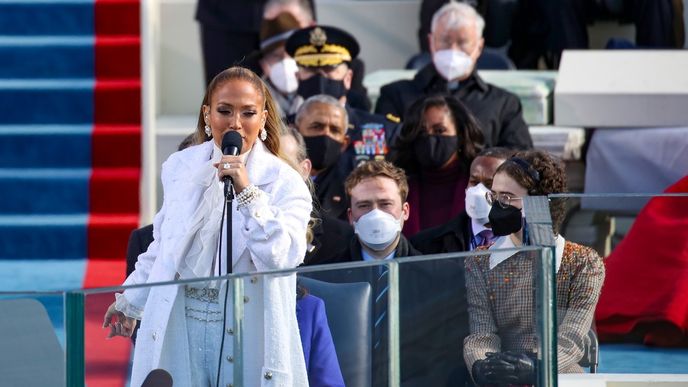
(318, 84)
(434, 151)
(323, 151)
(505, 221)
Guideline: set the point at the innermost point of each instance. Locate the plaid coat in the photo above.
(502, 310)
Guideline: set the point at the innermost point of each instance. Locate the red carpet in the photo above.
(114, 183)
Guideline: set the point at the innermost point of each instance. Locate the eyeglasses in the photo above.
(503, 199)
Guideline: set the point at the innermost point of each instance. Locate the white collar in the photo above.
(505, 242)
(477, 227)
(368, 257)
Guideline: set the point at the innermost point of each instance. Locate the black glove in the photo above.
(523, 366)
(493, 371)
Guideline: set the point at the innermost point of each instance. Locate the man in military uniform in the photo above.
(456, 43)
(323, 55)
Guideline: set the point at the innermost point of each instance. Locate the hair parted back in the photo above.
(470, 136)
(377, 168)
(455, 15)
(273, 124)
(552, 179)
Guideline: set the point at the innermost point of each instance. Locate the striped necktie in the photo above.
(381, 287)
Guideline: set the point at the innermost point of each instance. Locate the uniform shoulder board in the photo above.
(393, 118)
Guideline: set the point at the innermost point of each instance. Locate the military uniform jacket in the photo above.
(370, 136)
(497, 110)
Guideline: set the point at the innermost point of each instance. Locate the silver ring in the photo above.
(226, 166)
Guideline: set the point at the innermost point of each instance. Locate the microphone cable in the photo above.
(225, 208)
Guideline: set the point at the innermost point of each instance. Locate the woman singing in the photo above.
(182, 326)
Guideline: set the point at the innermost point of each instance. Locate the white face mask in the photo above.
(476, 203)
(283, 75)
(452, 64)
(377, 229)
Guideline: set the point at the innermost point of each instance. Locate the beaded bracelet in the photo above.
(247, 196)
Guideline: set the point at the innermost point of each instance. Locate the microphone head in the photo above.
(231, 143)
(158, 378)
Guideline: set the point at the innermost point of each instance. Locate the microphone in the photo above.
(231, 145)
(158, 378)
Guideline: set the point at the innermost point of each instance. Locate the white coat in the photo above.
(272, 231)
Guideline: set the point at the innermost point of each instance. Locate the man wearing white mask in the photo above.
(279, 69)
(455, 44)
(430, 347)
(470, 228)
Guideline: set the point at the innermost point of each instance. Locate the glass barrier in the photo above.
(394, 322)
(632, 253)
(32, 337)
(407, 321)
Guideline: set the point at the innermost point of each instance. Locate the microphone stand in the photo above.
(229, 197)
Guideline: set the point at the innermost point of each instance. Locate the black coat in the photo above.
(330, 237)
(433, 316)
(139, 240)
(453, 236)
(330, 194)
(497, 110)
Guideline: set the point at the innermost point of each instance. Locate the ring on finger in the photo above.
(226, 166)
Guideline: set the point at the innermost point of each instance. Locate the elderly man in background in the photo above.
(322, 121)
(455, 44)
(330, 235)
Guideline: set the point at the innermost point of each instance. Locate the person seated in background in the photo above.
(502, 344)
(330, 235)
(471, 228)
(436, 146)
(278, 68)
(322, 121)
(430, 347)
(324, 55)
(455, 43)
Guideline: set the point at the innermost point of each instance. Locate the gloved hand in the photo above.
(493, 370)
(523, 363)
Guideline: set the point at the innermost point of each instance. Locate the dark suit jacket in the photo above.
(433, 313)
(453, 236)
(330, 237)
(329, 191)
(316, 339)
(497, 110)
(139, 240)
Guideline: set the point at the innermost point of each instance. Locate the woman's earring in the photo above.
(208, 132)
(263, 134)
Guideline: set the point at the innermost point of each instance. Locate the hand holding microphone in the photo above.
(231, 169)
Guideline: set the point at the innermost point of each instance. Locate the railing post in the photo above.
(539, 223)
(393, 321)
(238, 304)
(74, 324)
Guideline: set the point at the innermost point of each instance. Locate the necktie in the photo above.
(381, 287)
(486, 237)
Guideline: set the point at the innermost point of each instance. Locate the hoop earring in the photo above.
(208, 131)
(263, 134)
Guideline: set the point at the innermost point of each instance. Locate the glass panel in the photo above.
(640, 316)
(32, 333)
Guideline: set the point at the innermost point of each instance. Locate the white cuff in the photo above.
(129, 310)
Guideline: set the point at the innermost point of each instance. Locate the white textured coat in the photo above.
(272, 231)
